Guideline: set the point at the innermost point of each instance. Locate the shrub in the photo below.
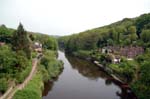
(44, 72)
(26, 94)
(21, 76)
(32, 90)
(33, 54)
(3, 85)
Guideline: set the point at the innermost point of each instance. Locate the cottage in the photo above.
(116, 59)
(106, 50)
(2, 43)
(37, 47)
(131, 52)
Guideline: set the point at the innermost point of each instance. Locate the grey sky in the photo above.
(63, 17)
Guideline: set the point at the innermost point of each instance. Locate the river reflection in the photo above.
(86, 68)
(48, 86)
(81, 79)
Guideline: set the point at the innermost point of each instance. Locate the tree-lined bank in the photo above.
(123, 46)
(18, 48)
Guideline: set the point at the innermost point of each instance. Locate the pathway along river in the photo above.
(81, 79)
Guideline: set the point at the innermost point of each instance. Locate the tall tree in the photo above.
(145, 36)
(21, 41)
(132, 33)
(142, 23)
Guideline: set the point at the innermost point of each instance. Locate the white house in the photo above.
(37, 47)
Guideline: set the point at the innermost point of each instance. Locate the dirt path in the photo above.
(21, 86)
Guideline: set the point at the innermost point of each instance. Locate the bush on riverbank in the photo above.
(142, 86)
(126, 69)
(50, 66)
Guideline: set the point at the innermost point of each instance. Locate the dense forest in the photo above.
(129, 31)
(18, 50)
(127, 41)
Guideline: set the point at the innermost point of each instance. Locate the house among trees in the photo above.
(2, 43)
(129, 52)
(116, 59)
(37, 47)
(106, 50)
(110, 49)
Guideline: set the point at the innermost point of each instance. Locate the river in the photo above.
(81, 79)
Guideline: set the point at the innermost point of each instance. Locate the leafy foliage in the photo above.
(48, 42)
(5, 34)
(50, 66)
(32, 90)
(145, 36)
(142, 86)
(21, 41)
(142, 22)
(7, 60)
(122, 33)
(127, 32)
(3, 84)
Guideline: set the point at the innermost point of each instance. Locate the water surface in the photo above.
(81, 79)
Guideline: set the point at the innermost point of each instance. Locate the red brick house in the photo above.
(127, 51)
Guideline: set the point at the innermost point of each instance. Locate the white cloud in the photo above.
(63, 17)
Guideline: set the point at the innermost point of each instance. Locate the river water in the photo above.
(81, 79)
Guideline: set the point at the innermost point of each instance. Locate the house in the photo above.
(37, 47)
(103, 50)
(2, 43)
(131, 52)
(116, 59)
(106, 50)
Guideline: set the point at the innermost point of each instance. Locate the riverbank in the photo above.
(87, 55)
(48, 68)
(124, 71)
(81, 79)
(118, 75)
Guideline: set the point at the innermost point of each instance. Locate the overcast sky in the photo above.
(63, 17)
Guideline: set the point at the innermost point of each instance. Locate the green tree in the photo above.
(119, 31)
(21, 41)
(132, 33)
(7, 60)
(47, 41)
(102, 42)
(5, 34)
(32, 37)
(50, 43)
(142, 22)
(4, 30)
(145, 36)
(3, 85)
(112, 33)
